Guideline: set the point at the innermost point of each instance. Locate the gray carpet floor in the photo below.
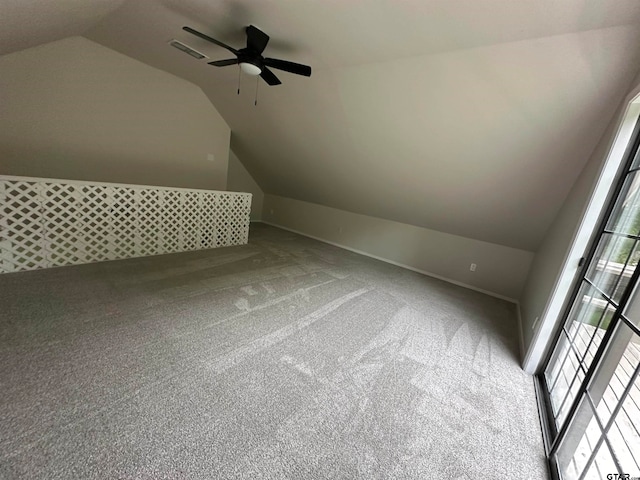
(283, 358)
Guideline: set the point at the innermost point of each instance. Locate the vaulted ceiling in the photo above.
(471, 117)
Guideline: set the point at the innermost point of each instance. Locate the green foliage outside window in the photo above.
(628, 222)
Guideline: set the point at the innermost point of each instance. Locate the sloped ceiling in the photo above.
(469, 117)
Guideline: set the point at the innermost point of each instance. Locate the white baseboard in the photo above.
(402, 265)
(520, 333)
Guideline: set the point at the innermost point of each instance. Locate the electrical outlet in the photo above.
(211, 157)
(271, 211)
(473, 267)
(340, 230)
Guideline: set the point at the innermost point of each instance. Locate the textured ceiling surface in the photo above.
(27, 23)
(470, 117)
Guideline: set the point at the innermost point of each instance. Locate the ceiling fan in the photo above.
(250, 58)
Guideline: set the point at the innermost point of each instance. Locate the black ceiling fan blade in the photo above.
(269, 77)
(209, 39)
(256, 39)
(224, 63)
(290, 67)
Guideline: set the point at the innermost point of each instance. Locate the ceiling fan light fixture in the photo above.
(250, 68)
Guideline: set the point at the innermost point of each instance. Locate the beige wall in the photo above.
(500, 270)
(240, 180)
(74, 109)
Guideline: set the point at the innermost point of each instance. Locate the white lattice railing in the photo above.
(48, 223)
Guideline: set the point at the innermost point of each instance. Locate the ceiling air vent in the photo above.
(187, 49)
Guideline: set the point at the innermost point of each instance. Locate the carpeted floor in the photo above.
(284, 358)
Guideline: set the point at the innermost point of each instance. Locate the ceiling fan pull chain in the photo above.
(255, 103)
(239, 75)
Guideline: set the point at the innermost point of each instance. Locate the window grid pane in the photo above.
(613, 264)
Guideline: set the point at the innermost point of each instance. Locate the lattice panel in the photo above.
(63, 229)
(191, 225)
(94, 205)
(148, 239)
(123, 223)
(48, 223)
(22, 241)
(171, 216)
(240, 207)
(209, 224)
